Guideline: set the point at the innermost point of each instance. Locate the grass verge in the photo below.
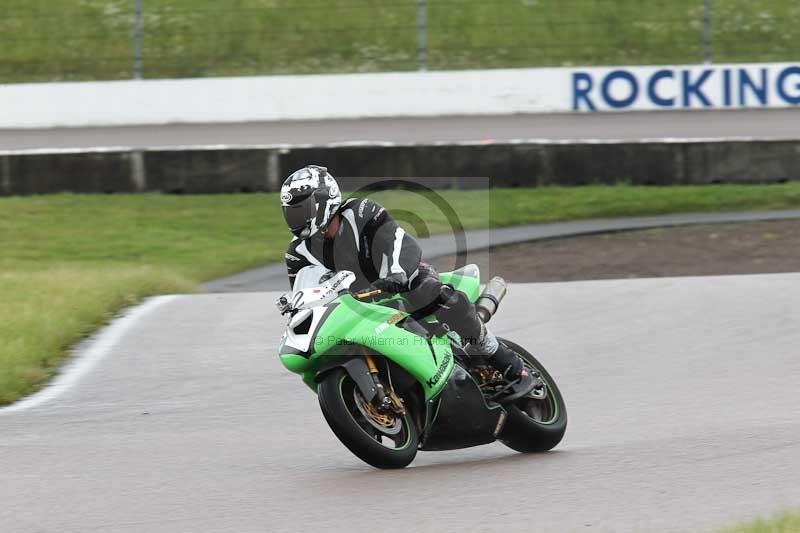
(42, 313)
(69, 262)
(788, 522)
(48, 40)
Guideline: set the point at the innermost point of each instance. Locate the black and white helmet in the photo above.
(309, 198)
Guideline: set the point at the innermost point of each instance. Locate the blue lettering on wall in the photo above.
(686, 88)
(793, 99)
(582, 84)
(746, 82)
(633, 89)
(695, 87)
(652, 88)
(726, 88)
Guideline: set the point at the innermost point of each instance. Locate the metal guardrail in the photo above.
(46, 40)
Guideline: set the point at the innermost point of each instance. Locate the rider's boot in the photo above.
(508, 363)
(455, 308)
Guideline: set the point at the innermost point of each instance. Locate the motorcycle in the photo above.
(390, 382)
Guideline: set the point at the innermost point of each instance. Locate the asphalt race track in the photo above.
(766, 124)
(682, 396)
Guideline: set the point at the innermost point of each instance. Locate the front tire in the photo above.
(535, 425)
(380, 442)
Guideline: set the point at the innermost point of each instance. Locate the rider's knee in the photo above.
(459, 313)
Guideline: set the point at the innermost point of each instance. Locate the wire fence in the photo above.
(49, 40)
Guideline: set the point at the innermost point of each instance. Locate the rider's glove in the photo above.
(392, 283)
(283, 304)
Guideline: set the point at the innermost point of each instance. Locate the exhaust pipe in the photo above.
(489, 300)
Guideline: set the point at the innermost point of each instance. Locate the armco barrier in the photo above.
(76, 172)
(524, 164)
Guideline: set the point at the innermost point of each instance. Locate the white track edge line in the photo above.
(85, 360)
(394, 144)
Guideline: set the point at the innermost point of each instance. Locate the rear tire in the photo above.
(338, 395)
(535, 425)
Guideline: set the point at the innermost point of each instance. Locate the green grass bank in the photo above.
(48, 40)
(788, 522)
(70, 262)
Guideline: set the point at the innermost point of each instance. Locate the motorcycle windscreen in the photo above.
(309, 277)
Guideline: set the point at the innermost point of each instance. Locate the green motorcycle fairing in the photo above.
(336, 329)
(466, 279)
(349, 323)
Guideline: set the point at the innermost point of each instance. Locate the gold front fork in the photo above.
(371, 364)
(394, 400)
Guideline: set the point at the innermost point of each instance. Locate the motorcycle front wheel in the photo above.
(535, 425)
(383, 440)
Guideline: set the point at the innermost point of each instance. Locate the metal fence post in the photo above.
(707, 31)
(138, 171)
(422, 30)
(273, 183)
(137, 39)
(5, 175)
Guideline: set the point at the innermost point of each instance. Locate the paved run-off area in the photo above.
(682, 395)
(702, 250)
(732, 124)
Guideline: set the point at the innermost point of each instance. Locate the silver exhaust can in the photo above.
(489, 300)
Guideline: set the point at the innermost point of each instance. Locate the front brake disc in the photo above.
(388, 424)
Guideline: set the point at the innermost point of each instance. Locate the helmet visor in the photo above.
(299, 217)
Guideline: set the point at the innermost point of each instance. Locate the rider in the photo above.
(359, 235)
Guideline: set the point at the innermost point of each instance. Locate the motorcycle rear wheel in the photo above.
(535, 425)
(348, 416)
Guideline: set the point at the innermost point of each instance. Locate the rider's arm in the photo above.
(395, 253)
(296, 261)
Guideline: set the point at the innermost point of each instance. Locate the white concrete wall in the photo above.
(550, 90)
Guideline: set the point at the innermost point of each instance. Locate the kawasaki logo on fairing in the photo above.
(438, 375)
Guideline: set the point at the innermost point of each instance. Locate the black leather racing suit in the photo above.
(371, 244)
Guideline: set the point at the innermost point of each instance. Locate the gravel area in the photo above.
(706, 250)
